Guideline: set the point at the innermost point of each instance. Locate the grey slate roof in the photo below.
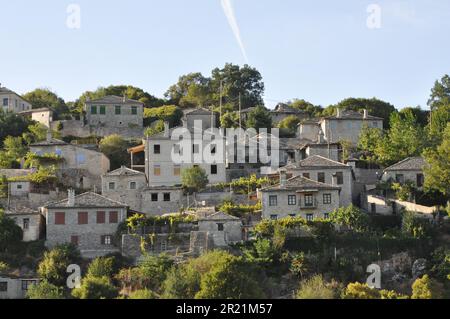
(284, 108)
(113, 99)
(124, 171)
(199, 111)
(352, 115)
(6, 90)
(15, 172)
(51, 142)
(88, 200)
(300, 183)
(317, 161)
(218, 216)
(408, 164)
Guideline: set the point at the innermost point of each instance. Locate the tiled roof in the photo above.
(408, 164)
(352, 115)
(51, 142)
(218, 216)
(15, 172)
(124, 171)
(20, 210)
(300, 183)
(88, 199)
(113, 99)
(317, 161)
(6, 90)
(199, 111)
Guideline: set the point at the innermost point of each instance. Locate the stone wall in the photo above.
(162, 243)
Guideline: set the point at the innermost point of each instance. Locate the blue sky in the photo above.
(319, 50)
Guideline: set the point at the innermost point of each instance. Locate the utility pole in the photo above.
(220, 94)
(240, 109)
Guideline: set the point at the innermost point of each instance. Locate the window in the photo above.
(133, 185)
(81, 159)
(375, 124)
(167, 197)
(273, 217)
(112, 186)
(101, 217)
(75, 240)
(326, 216)
(399, 178)
(134, 110)
(327, 198)
(309, 201)
(106, 240)
(157, 149)
(213, 169)
(177, 170)
(60, 218)
(292, 200)
(102, 110)
(26, 223)
(340, 178)
(195, 148)
(93, 109)
(273, 200)
(118, 110)
(306, 175)
(154, 197)
(19, 186)
(27, 283)
(213, 149)
(83, 218)
(292, 215)
(164, 245)
(157, 170)
(5, 102)
(310, 217)
(3, 286)
(220, 227)
(321, 177)
(420, 180)
(113, 217)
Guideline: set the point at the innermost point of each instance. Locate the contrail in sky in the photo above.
(229, 13)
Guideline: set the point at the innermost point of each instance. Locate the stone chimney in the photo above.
(283, 178)
(334, 180)
(71, 198)
(338, 113)
(166, 129)
(366, 113)
(49, 136)
(321, 138)
(124, 99)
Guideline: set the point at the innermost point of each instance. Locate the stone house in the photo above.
(13, 102)
(223, 228)
(299, 196)
(207, 118)
(161, 149)
(42, 115)
(15, 287)
(408, 170)
(161, 200)
(114, 112)
(345, 126)
(89, 221)
(80, 167)
(125, 185)
(283, 111)
(30, 221)
(324, 170)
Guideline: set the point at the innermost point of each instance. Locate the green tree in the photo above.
(192, 90)
(13, 151)
(317, 288)
(415, 226)
(10, 233)
(96, 288)
(351, 217)
(36, 133)
(426, 288)
(259, 118)
(437, 172)
(439, 104)
(155, 269)
(194, 179)
(53, 267)
(45, 290)
(231, 278)
(115, 148)
(142, 294)
(166, 113)
(12, 124)
(308, 107)
(289, 125)
(405, 138)
(369, 142)
(230, 120)
(263, 252)
(44, 98)
(156, 128)
(101, 267)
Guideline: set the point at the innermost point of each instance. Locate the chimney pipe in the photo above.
(166, 129)
(71, 198)
(283, 178)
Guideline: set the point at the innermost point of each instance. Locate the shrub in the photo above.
(96, 288)
(45, 290)
(142, 294)
(317, 288)
(426, 288)
(360, 291)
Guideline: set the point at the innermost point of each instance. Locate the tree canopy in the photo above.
(43, 97)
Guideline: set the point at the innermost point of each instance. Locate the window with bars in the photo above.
(327, 199)
(292, 200)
